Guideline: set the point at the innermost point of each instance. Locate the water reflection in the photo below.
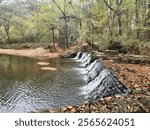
(25, 87)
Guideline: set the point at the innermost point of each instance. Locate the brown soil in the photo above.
(33, 53)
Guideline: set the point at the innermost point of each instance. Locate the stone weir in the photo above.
(101, 82)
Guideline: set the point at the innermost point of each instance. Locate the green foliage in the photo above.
(33, 20)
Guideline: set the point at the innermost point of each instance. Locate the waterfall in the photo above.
(86, 60)
(84, 55)
(101, 82)
(78, 56)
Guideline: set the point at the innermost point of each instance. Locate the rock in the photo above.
(49, 68)
(135, 59)
(43, 63)
(96, 55)
(112, 53)
(25, 46)
(68, 54)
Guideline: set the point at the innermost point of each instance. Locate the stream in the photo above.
(24, 87)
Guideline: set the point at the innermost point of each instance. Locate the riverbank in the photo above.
(32, 53)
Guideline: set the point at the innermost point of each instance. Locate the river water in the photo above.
(25, 87)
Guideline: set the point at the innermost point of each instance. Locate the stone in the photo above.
(112, 53)
(49, 68)
(135, 59)
(43, 63)
(68, 54)
(25, 46)
(96, 55)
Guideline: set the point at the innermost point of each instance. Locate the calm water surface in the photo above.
(25, 87)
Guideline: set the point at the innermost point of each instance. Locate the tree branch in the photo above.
(74, 10)
(108, 5)
(59, 8)
(5, 19)
(120, 2)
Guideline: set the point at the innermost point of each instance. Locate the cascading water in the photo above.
(84, 55)
(101, 82)
(86, 60)
(79, 54)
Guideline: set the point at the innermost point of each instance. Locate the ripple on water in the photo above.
(25, 87)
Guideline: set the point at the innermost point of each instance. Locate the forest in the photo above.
(99, 22)
(86, 55)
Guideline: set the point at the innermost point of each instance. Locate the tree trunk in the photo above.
(91, 30)
(128, 28)
(7, 33)
(119, 14)
(137, 18)
(120, 24)
(148, 21)
(66, 35)
(81, 31)
(53, 37)
(144, 13)
(109, 20)
(117, 11)
(23, 34)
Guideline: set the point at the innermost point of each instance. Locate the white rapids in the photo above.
(101, 82)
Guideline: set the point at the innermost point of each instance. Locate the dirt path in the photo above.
(33, 53)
